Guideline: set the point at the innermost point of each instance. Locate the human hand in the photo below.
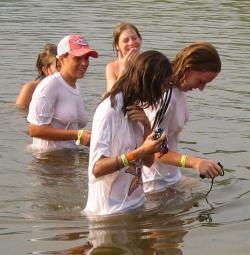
(127, 59)
(151, 146)
(135, 113)
(85, 139)
(208, 168)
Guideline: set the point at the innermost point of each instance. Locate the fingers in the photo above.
(158, 142)
(131, 54)
(210, 169)
(151, 145)
(135, 113)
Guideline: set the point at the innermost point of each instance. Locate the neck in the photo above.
(68, 79)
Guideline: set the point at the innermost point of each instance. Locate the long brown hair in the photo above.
(144, 82)
(198, 56)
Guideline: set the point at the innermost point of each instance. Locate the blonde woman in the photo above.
(126, 43)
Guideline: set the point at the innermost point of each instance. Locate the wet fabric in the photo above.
(112, 135)
(56, 103)
(160, 175)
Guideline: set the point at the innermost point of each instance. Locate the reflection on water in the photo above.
(148, 231)
(42, 195)
(56, 189)
(158, 233)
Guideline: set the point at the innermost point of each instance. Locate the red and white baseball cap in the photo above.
(75, 45)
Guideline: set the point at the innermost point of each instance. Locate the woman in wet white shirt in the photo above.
(194, 66)
(121, 140)
(56, 114)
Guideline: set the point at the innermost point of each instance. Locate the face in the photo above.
(128, 39)
(74, 67)
(52, 68)
(196, 80)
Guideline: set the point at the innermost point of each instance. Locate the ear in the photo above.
(45, 70)
(61, 60)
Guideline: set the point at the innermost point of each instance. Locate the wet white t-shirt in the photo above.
(161, 175)
(56, 103)
(112, 135)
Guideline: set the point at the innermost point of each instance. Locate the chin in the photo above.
(79, 76)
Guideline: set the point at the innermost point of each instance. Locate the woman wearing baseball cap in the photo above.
(57, 114)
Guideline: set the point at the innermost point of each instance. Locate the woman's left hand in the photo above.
(208, 168)
(135, 113)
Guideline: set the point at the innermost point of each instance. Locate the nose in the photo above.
(85, 61)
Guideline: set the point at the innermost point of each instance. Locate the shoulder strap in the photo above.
(163, 108)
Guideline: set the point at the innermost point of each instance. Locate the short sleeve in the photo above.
(101, 136)
(40, 111)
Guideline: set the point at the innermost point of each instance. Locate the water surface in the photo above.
(41, 196)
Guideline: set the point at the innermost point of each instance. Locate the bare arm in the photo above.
(111, 76)
(108, 165)
(208, 168)
(47, 132)
(115, 69)
(25, 95)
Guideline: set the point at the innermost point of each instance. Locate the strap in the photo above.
(163, 108)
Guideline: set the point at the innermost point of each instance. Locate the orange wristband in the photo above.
(130, 156)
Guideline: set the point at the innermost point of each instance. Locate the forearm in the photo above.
(207, 168)
(139, 154)
(105, 166)
(147, 129)
(108, 165)
(174, 158)
(47, 132)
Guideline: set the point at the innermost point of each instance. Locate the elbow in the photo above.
(32, 131)
(97, 171)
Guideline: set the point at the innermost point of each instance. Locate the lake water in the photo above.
(41, 196)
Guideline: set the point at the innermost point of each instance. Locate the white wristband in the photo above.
(79, 136)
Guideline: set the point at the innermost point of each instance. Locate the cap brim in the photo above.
(82, 52)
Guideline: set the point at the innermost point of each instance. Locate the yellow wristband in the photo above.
(124, 160)
(79, 136)
(183, 161)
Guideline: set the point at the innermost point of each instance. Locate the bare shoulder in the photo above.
(30, 85)
(113, 66)
(24, 97)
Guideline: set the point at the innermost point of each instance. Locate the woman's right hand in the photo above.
(151, 146)
(127, 59)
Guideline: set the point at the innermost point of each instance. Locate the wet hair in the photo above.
(144, 82)
(45, 59)
(198, 56)
(119, 28)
